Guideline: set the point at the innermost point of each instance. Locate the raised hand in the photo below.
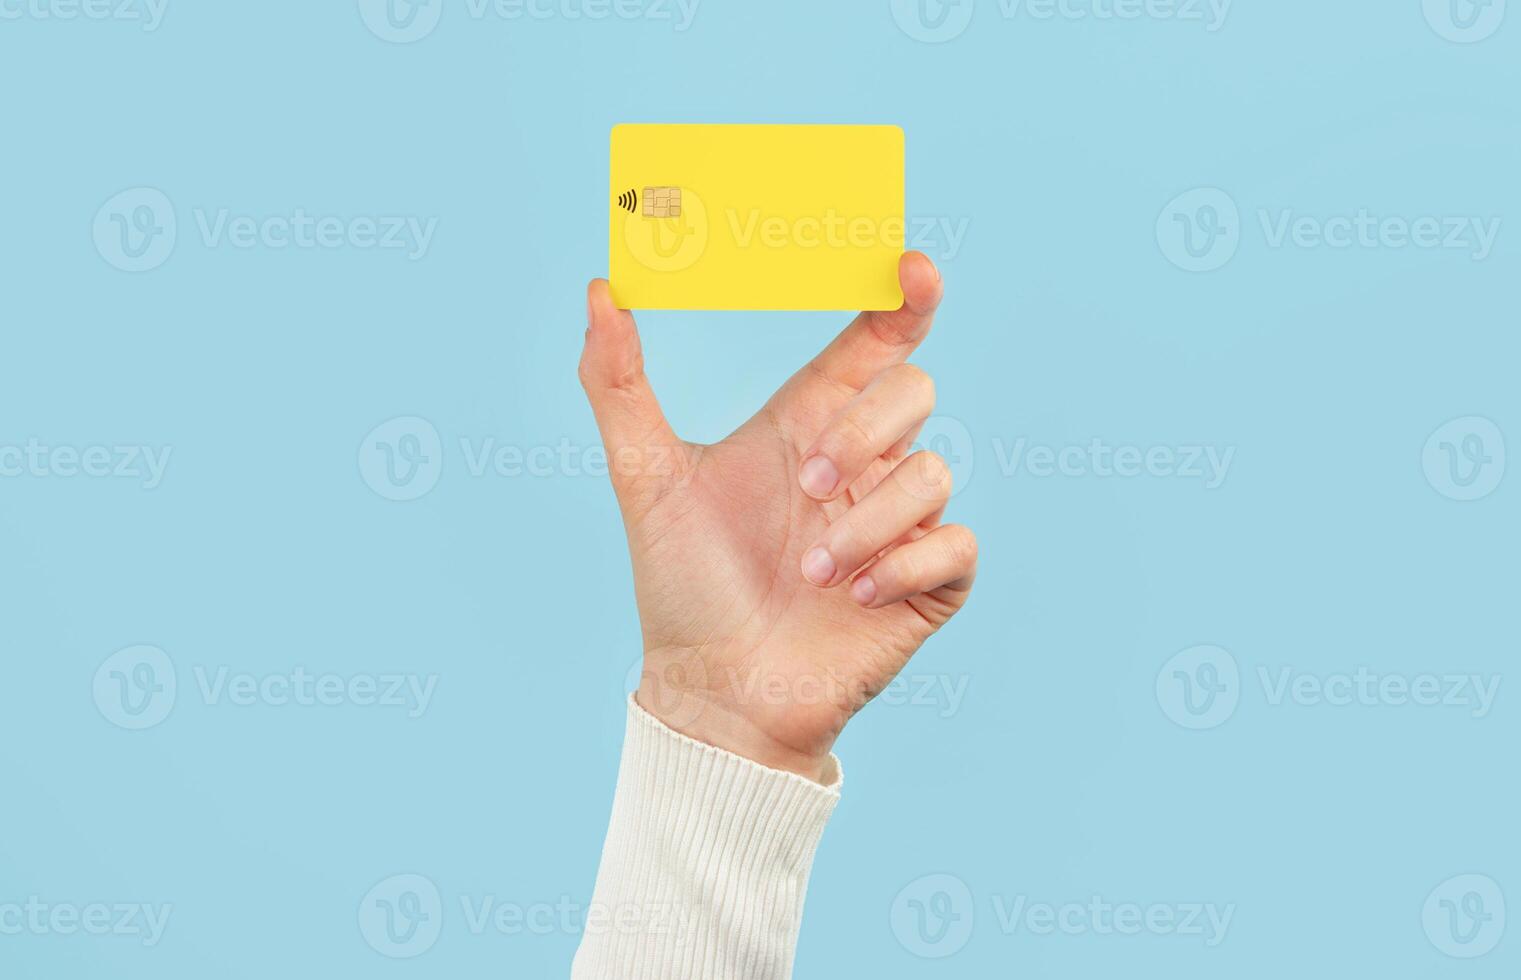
(785, 575)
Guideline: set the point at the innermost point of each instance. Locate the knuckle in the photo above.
(847, 542)
(929, 475)
(859, 536)
(961, 543)
(855, 431)
(904, 572)
(894, 328)
(917, 381)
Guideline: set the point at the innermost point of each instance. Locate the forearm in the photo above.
(705, 866)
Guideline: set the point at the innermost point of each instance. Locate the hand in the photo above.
(785, 575)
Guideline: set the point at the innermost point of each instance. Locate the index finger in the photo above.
(876, 341)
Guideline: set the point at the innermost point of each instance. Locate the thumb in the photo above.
(643, 455)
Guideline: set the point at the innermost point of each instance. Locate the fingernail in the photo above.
(864, 591)
(818, 566)
(588, 311)
(818, 477)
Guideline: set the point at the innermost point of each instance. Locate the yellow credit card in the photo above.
(756, 217)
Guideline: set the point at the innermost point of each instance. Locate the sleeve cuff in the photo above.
(706, 862)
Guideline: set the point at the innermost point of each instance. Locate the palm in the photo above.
(743, 616)
(738, 644)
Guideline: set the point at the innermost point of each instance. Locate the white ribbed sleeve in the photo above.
(705, 865)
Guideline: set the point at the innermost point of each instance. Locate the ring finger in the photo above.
(915, 492)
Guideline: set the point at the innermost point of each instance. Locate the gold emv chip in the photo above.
(662, 202)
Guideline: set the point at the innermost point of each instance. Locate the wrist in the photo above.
(721, 726)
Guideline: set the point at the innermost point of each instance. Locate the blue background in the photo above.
(1060, 776)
